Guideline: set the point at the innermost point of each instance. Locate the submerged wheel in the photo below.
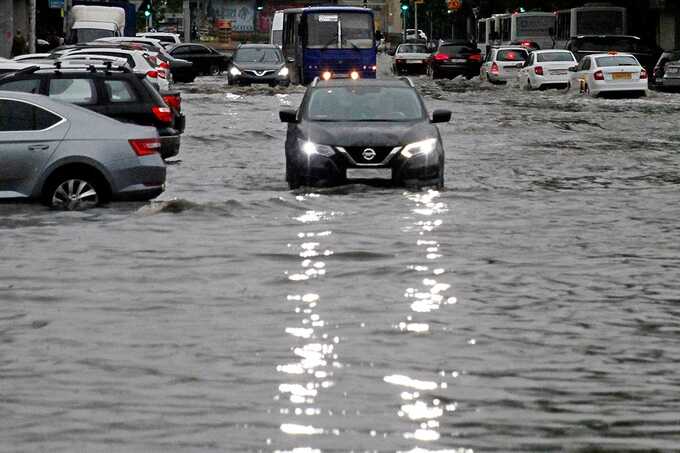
(74, 193)
(214, 70)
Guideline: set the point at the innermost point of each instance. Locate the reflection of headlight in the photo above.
(234, 71)
(310, 148)
(424, 147)
(283, 72)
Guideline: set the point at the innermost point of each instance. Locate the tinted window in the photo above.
(199, 50)
(20, 116)
(512, 55)
(554, 56)
(91, 34)
(25, 86)
(364, 103)
(180, 50)
(258, 55)
(453, 49)
(76, 91)
(616, 60)
(120, 91)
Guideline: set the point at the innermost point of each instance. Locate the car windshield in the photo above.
(339, 30)
(364, 103)
(257, 55)
(604, 44)
(512, 55)
(412, 48)
(616, 60)
(91, 34)
(554, 56)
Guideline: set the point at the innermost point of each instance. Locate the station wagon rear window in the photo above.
(554, 56)
(512, 55)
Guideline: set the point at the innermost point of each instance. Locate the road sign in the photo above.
(454, 5)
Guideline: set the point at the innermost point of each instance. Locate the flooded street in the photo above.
(531, 305)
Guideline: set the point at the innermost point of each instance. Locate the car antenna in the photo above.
(108, 64)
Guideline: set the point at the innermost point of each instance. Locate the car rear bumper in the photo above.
(170, 145)
(456, 69)
(609, 86)
(138, 179)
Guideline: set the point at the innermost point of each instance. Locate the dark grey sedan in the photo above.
(72, 158)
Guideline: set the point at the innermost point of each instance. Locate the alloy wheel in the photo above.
(75, 195)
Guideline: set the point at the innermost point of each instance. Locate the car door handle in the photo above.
(38, 147)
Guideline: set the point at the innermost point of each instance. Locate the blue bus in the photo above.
(329, 41)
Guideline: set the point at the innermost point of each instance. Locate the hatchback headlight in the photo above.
(284, 71)
(234, 71)
(423, 147)
(310, 148)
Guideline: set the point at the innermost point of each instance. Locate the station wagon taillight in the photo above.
(162, 114)
(146, 146)
(599, 75)
(152, 74)
(643, 74)
(174, 101)
(538, 70)
(494, 68)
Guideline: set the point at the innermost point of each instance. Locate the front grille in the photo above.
(357, 153)
(259, 73)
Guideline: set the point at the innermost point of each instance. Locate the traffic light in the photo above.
(259, 5)
(404, 6)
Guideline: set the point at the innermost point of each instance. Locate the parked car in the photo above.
(349, 130)
(503, 64)
(411, 58)
(546, 69)
(657, 74)
(7, 66)
(584, 45)
(455, 58)
(206, 60)
(671, 77)
(258, 63)
(114, 92)
(48, 155)
(609, 72)
(141, 62)
(166, 38)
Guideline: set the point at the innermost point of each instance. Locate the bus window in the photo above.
(600, 23)
(322, 31)
(505, 29)
(357, 31)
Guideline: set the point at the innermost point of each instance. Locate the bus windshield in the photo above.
(339, 30)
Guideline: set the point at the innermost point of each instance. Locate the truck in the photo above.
(89, 22)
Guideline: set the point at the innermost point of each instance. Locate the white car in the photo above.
(411, 57)
(546, 68)
(167, 38)
(33, 56)
(609, 72)
(141, 62)
(503, 64)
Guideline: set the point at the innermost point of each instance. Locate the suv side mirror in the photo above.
(441, 116)
(573, 68)
(288, 116)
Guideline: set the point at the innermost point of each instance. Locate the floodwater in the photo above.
(533, 305)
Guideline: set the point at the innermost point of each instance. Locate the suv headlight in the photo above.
(423, 147)
(310, 148)
(234, 71)
(284, 71)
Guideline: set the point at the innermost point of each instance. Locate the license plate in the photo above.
(621, 75)
(672, 70)
(558, 72)
(369, 173)
(457, 60)
(510, 69)
(414, 61)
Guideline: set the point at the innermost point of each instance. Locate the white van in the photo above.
(276, 34)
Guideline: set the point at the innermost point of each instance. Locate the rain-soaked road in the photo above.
(533, 305)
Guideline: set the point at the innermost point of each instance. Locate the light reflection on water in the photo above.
(315, 350)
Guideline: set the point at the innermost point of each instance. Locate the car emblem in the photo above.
(368, 154)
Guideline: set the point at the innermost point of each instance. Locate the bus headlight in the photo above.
(326, 75)
(423, 147)
(234, 71)
(310, 148)
(284, 71)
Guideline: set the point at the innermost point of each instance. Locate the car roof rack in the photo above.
(28, 70)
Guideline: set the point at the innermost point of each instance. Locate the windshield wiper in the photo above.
(325, 46)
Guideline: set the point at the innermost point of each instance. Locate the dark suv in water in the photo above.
(117, 93)
(658, 75)
(584, 45)
(362, 130)
(454, 58)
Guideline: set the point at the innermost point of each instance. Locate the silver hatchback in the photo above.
(72, 158)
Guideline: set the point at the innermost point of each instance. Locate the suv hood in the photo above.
(362, 133)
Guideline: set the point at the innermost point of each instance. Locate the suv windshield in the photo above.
(364, 103)
(453, 49)
(339, 30)
(607, 43)
(257, 55)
